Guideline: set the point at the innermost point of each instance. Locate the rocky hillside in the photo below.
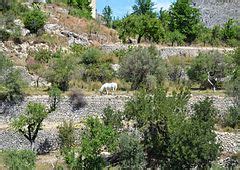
(218, 12)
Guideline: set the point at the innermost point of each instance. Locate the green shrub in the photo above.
(212, 63)
(4, 35)
(66, 135)
(11, 80)
(232, 119)
(80, 13)
(91, 56)
(54, 97)
(140, 63)
(43, 55)
(34, 20)
(20, 159)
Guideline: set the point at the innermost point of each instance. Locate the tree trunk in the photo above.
(139, 39)
(32, 145)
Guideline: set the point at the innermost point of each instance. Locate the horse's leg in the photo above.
(107, 91)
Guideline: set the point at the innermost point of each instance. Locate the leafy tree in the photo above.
(155, 115)
(91, 56)
(107, 15)
(140, 63)
(205, 36)
(34, 20)
(54, 97)
(60, 70)
(30, 122)
(141, 26)
(185, 19)
(229, 30)
(193, 142)
(170, 138)
(207, 67)
(216, 35)
(80, 8)
(143, 7)
(176, 37)
(232, 119)
(164, 17)
(20, 159)
(95, 136)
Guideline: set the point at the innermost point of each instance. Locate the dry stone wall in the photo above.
(95, 105)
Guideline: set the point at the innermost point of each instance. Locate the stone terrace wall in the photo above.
(170, 51)
(95, 105)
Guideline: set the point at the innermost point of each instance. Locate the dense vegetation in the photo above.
(155, 129)
(179, 25)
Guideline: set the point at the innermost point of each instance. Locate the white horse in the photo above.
(108, 87)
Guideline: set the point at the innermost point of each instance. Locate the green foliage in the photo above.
(176, 37)
(54, 97)
(194, 143)
(232, 119)
(60, 71)
(43, 55)
(11, 81)
(172, 140)
(141, 26)
(212, 63)
(91, 56)
(96, 135)
(143, 7)
(205, 36)
(20, 159)
(30, 122)
(138, 64)
(111, 118)
(80, 8)
(4, 35)
(229, 30)
(185, 19)
(66, 136)
(34, 20)
(107, 16)
(130, 152)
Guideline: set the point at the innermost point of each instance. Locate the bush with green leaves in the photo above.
(67, 136)
(11, 81)
(176, 37)
(140, 63)
(171, 139)
(20, 159)
(35, 20)
(4, 35)
(206, 66)
(91, 56)
(54, 97)
(95, 136)
(130, 152)
(60, 71)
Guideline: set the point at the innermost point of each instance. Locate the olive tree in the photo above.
(140, 63)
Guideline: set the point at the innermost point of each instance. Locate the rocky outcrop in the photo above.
(217, 12)
(73, 38)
